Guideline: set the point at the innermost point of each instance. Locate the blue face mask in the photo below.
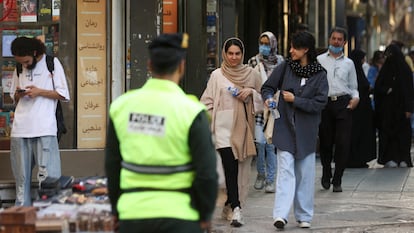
(264, 50)
(335, 50)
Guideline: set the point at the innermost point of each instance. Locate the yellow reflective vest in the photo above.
(152, 125)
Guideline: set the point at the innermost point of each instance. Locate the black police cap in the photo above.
(177, 41)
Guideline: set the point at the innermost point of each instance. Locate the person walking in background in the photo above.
(408, 59)
(233, 122)
(394, 96)
(304, 91)
(411, 56)
(336, 125)
(264, 62)
(376, 64)
(33, 138)
(160, 158)
(365, 67)
(363, 137)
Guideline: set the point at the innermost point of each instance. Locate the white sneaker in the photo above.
(403, 164)
(237, 219)
(304, 224)
(391, 164)
(227, 213)
(270, 187)
(280, 223)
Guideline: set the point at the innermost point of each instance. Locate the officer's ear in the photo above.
(149, 66)
(181, 68)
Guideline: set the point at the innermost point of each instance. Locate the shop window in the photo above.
(75, 32)
(31, 18)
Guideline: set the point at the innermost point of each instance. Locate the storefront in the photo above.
(102, 45)
(52, 21)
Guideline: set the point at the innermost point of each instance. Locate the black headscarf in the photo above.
(394, 83)
(395, 64)
(356, 56)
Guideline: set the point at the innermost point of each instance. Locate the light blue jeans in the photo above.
(25, 153)
(295, 183)
(266, 157)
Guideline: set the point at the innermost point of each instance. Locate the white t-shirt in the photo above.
(35, 117)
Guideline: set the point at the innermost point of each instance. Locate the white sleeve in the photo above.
(59, 77)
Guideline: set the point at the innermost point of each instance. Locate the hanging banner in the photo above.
(91, 74)
(169, 16)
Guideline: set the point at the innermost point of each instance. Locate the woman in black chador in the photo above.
(363, 148)
(394, 96)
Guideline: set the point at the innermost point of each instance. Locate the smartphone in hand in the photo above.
(290, 90)
(20, 90)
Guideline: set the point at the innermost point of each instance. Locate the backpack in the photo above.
(60, 121)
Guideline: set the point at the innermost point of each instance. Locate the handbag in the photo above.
(60, 121)
(268, 118)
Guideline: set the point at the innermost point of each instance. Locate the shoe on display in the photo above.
(227, 213)
(280, 223)
(237, 219)
(390, 164)
(259, 183)
(304, 224)
(270, 187)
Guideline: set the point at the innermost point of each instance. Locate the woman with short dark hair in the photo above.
(304, 91)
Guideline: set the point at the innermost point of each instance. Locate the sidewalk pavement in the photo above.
(374, 200)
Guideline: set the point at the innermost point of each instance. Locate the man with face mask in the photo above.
(33, 139)
(336, 122)
(264, 62)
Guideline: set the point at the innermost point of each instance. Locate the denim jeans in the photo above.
(25, 153)
(266, 157)
(295, 183)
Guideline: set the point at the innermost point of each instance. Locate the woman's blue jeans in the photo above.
(266, 156)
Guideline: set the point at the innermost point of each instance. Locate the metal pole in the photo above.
(118, 48)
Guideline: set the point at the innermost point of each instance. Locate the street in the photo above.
(374, 200)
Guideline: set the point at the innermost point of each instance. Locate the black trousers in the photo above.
(231, 172)
(335, 138)
(159, 225)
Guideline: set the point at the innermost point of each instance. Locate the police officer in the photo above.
(160, 158)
